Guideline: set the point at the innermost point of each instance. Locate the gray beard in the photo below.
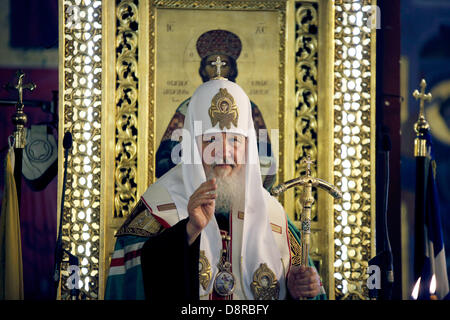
(230, 190)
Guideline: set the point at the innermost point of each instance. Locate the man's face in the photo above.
(211, 70)
(223, 154)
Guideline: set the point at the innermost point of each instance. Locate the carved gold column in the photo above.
(334, 123)
(354, 145)
(314, 54)
(80, 70)
(126, 104)
(306, 99)
(128, 117)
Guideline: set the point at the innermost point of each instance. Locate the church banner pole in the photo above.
(19, 120)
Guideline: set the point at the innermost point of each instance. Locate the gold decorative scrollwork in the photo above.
(125, 185)
(306, 95)
(82, 102)
(296, 250)
(353, 137)
(220, 4)
(204, 270)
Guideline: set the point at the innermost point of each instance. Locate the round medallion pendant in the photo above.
(224, 283)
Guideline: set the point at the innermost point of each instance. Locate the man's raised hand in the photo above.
(201, 207)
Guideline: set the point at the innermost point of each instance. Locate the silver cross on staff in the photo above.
(422, 96)
(218, 64)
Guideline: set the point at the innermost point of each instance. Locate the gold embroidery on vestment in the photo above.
(265, 285)
(140, 223)
(296, 250)
(204, 270)
(276, 228)
(166, 207)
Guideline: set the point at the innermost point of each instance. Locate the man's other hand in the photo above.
(303, 282)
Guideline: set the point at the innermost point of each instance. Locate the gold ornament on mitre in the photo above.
(223, 110)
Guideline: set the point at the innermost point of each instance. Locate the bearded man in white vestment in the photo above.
(208, 229)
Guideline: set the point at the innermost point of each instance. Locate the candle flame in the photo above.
(433, 284)
(415, 292)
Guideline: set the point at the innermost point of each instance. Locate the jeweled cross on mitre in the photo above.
(218, 64)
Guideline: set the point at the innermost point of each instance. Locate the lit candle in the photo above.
(433, 288)
(415, 292)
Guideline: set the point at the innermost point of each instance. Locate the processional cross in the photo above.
(20, 118)
(218, 64)
(422, 97)
(20, 86)
(421, 127)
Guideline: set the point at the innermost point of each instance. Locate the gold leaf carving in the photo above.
(125, 191)
(306, 95)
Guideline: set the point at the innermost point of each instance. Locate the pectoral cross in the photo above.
(422, 96)
(218, 64)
